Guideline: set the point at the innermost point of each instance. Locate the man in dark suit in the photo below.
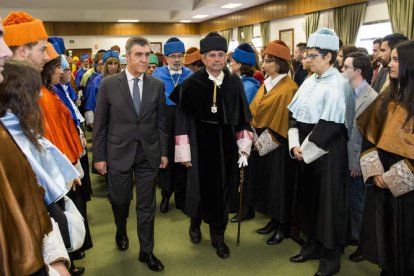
(129, 138)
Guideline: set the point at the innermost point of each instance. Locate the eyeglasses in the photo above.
(268, 60)
(313, 56)
(175, 57)
(349, 67)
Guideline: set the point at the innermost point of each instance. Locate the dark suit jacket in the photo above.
(381, 78)
(118, 129)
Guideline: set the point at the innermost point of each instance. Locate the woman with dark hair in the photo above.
(387, 161)
(343, 52)
(271, 170)
(58, 124)
(321, 118)
(21, 115)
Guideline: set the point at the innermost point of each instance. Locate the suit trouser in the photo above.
(357, 200)
(120, 195)
(329, 259)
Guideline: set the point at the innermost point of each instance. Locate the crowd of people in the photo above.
(321, 141)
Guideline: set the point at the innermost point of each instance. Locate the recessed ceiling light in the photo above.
(185, 21)
(200, 16)
(231, 6)
(128, 20)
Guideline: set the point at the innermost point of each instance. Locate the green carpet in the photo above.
(181, 257)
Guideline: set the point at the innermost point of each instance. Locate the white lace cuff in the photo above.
(182, 149)
(244, 141)
(54, 249)
(310, 151)
(265, 143)
(293, 136)
(370, 165)
(399, 179)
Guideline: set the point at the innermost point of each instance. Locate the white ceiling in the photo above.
(112, 10)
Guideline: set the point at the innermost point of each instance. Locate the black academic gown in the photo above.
(271, 181)
(212, 137)
(321, 205)
(387, 234)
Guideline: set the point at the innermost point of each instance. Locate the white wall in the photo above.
(376, 10)
(295, 22)
(105, 42)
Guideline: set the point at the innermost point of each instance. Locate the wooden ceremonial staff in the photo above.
(240, 214)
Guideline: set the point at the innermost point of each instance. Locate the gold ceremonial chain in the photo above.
(214, 106)
(178, 79)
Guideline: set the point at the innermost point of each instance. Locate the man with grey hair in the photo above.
(212, 132)
(130, 139)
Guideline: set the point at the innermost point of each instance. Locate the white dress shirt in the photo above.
(270, 83)
(130, 79)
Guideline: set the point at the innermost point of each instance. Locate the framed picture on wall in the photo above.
(288, 36)
(156, 47)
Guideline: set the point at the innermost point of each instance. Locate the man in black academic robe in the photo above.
(212, 132)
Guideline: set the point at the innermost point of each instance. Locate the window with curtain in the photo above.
(227, 34)
(370, 31)
(264, 33)
(402, 16)
(311, 23)
(245, 34)
(347, 21)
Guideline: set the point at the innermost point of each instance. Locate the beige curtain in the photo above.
(264, 33)
(347, 21)
(227, 35)
(311, 23)
(245, 34)
(402, 18)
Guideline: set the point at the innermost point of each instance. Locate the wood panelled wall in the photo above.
(107, 28)
(270, 11)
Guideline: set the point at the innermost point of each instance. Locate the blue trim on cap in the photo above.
(244, 57)
(174, 47)
(83, 57)
(109, 54)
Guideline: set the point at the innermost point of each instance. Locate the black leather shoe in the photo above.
(76, 270)
(164, 205)
(152, 262)
(78, 255)
(353, 242)
(298, 258)
(276, 238)
(318, 273)
(195, 235)
(270, 226)
(248, 215)
(122, 242)
(357, 256)
(222, 250)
